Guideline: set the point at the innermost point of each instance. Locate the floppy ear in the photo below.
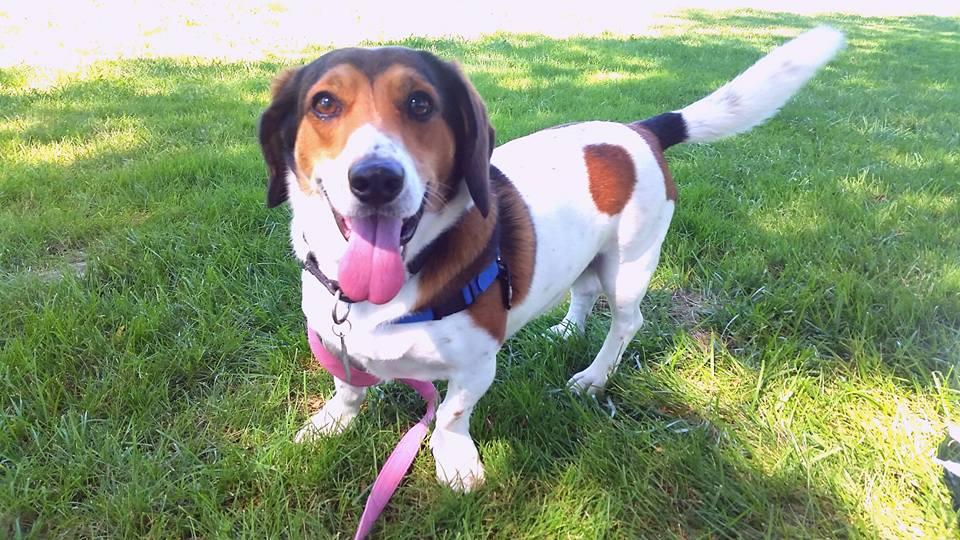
(276, 136)
(475, 138)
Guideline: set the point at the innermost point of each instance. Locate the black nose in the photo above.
(375, 180)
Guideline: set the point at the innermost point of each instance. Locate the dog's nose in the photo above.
(376, 181)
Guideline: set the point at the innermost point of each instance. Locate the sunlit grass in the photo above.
(793, 378)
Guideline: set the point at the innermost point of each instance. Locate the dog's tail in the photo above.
(754, 96)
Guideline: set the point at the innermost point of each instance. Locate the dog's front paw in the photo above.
(458, 462)
(588, 381)
(331, 420)
(563, 330)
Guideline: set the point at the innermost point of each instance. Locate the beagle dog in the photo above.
(440, 246)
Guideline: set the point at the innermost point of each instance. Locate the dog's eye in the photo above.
(419, 105)
(326, 106)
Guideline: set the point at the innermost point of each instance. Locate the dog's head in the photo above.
(383, 133)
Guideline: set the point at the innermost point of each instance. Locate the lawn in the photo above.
(795, 375)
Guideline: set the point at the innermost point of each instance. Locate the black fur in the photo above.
(669, 128)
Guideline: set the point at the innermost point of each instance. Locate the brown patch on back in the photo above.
(654, 143)
(612, 176)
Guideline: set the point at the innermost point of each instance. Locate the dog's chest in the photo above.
(424, 350)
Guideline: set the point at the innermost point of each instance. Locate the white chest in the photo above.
(424, 350)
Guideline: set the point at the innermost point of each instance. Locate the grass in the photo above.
(795, 374)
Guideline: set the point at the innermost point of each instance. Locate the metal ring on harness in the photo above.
(338, 329)
(337, 300)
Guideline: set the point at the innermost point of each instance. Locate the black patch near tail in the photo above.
(669, 127)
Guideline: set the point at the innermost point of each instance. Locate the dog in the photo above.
(444, 246)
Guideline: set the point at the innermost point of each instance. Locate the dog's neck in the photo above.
(452, 247)
(432, 225)
(448, 249)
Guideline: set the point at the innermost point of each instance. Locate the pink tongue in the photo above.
(371, 269)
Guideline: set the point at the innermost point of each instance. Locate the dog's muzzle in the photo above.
(376, 181)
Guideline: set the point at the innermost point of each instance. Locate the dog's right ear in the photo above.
(276, 135)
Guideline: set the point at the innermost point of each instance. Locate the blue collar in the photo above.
(469, 294)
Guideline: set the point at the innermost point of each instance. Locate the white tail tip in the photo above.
(759, 92)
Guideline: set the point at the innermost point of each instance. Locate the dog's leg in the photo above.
(583, 295)
(627, 320)
(336, 414)
(456, 456)
(624, 273)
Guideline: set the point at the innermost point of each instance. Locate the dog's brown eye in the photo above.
(419, 105)
(326, 106)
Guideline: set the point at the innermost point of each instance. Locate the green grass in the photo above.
(796, 371)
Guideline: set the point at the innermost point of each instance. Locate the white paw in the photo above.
(458, 462)
(564, 329)
(332, 419)
(589, 381)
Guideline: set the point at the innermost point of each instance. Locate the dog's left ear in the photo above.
(276, 137)
(475, 137)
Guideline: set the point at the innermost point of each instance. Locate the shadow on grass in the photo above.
(155, 393)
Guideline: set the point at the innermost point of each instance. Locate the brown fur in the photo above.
(455, 257)
(324, 139)
(464, 250)
(518, 239)
(654, 143)
(431, 144)
(612, 176)
(489, 313)
(518, 248)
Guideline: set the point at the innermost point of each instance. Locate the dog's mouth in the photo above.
(407, 228)
(372, 267)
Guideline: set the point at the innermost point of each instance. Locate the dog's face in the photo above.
(380, 131)
(385, 134)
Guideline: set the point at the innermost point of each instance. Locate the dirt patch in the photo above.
(687, 307)
(314, 403)
(51, 269)
(683, 307)
(76, 268)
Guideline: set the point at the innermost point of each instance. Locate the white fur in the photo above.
(758, 93)
(576, 245)
(584, 247)
(365, 142)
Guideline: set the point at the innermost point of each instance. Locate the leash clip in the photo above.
(340, 328)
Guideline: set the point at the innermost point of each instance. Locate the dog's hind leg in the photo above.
(624, 271)
(583, 295)
(336, 414)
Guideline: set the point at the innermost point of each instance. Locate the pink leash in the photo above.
(402, 457)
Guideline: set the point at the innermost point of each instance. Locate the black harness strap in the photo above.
(310, 265)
